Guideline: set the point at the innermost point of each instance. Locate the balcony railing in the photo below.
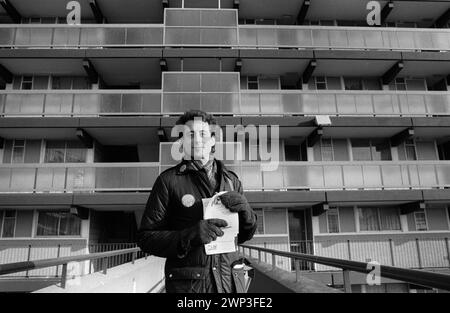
(246, 102)
(423, 278)
(416, 250)
(53, 177)
(330, 37)
(69, 177)
(226, 35)
(80, 36)
(80, 102)
(346, 175)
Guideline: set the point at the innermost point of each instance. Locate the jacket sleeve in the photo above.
(247, 221)
(153, 236)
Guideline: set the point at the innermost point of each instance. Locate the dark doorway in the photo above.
(300, 235)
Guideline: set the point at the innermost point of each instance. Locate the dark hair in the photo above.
(192, 115)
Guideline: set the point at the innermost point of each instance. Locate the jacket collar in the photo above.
(186, 166)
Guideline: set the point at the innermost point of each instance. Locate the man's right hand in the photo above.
(206, 231)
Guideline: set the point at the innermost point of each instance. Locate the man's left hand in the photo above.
(235, 202)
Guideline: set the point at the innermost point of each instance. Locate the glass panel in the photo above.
(247, 37)
(110, 103)
(251, 177)
(368, 219)
(361, 150)
(131, 103)
(6, 36)
(57, 103)
(426, 150)
(438, 104)
(390, 219)
(66, 36)
(421, 221)
(54, 151)
(48, 224)
(333, 176)
(75, 152)
(219, 82)
(392, 176)
(353, 176)
(32, 104)
(144, 36)
(338, 38)
(443, 172)
(250, 103)
(333, 221)
(181, 82)
(50, 179)
(372, 176)
(87, 103)
(41, 36)
(22, 179)
(70, 225)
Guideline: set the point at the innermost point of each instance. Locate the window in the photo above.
(260, 221)
(420, 219)
(376, 219)
(27, 83)
(58, 224)
(61, 82)
(399, 84)
(59, 151)
(331, 149)
(18, 151)
(252, 82)
(353, 83)
(321, 83)
(407, 151)
(371, 150)
(333, 220)
(7, 223)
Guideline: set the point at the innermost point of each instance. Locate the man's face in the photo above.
(197, 140)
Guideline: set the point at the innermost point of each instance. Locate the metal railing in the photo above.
(245, 102)
(63, 177)
(423, 278)
(113, 260)
(64, 261)
(240, 36)
(338, 37)
(336, 175)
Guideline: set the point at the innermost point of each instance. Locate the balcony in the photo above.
(77, 177)
(92, 177)
(245, 102)
(80, 36)
(224, 35)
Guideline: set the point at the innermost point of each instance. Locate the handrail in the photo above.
(16, 267)
(423, 278)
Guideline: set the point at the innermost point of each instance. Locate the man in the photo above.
(172, 225)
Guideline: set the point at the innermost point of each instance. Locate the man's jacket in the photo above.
(174, 205)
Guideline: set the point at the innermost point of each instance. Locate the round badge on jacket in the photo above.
(188, 200)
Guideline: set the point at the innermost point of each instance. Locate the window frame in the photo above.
(3, 212)
(18, 146)
(338, 220)
(24, 81)
(65, 154)
(316, 82)
(58, 235)
(425, 218)
(380, 229)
